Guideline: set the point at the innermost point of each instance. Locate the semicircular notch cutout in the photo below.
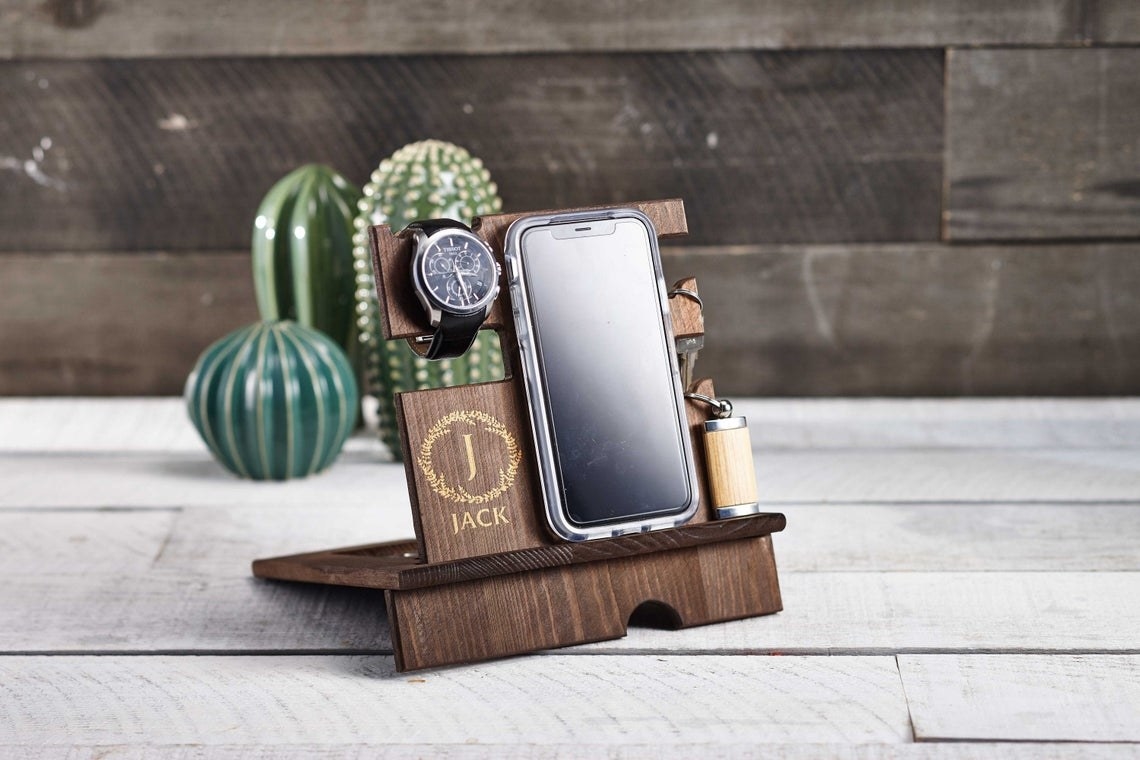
(655, 614)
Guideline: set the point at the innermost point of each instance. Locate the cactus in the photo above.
(424, 180)
(302, 253)
(273, 401)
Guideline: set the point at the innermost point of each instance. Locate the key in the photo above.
(692, 324)
(687, 350)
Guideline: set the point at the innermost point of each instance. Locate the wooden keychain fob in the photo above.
(731, 472)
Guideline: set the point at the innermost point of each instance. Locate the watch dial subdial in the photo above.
(456, 293)
(467, 262)
(440, 263)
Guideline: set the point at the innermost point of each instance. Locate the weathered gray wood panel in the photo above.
(86, 28)
(790, 147)
(103, 426)
(782, 320)
(962, 537)
(1090, 698)
(919, 320)
(310, 749)
(1090, 476)
(1113, 21)
(598, 700)
(1042, 144)
(114, 324)
(186, 611)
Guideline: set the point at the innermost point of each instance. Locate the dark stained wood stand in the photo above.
(483, 577)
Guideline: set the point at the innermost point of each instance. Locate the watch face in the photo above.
(458, 272)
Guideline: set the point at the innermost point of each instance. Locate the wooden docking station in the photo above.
(483, 577)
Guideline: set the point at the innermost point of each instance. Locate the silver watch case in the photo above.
(434, 307)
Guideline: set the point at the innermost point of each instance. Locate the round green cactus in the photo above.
(273, 401)
(425, 180)
(302, 252)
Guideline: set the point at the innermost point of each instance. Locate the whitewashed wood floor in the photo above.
(961, 580)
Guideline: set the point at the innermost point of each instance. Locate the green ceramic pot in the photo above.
(302, 253)
(273, 401)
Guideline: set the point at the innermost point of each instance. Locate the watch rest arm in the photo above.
(401, 315)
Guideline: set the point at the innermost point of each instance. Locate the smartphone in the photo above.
(597, 353)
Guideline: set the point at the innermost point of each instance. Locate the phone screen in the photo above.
(604, 362)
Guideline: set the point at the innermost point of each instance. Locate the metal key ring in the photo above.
(688, 294)
(722, 405)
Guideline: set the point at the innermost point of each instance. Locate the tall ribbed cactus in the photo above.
(424, 180)
(302, 252)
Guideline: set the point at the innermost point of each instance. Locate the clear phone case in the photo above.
(557, 515)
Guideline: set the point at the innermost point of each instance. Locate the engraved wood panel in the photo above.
(471, 470)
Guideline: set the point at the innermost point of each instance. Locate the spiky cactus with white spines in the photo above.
(430, 179)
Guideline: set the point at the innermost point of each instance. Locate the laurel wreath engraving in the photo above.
(459, 493)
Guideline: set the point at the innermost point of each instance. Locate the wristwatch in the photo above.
(456, 278)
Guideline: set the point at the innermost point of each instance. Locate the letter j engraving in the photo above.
(470, 456)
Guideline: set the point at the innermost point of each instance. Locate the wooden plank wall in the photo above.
(886, 198)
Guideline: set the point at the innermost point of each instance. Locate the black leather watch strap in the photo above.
(455, 332)
(454, 335)
(432, 226)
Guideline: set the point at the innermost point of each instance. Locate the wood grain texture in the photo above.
(96, 426)
(99, 426)
(687, 313)
(782, 320)
(463, 509)
(931, 320)
(1114, 21)
(77, 29)
(1041, 144)
(112, 324)
(219, 542)
(186, 612)
(727, 748)
(960, 537)
(826, 423)
(392, 251)
(731, 471)
(1091, 698)
(498, 507)
(915, 612)
(176, 608)
(482, 579)
(958, 476)
(948, 582)
(619, 700)
(783, 477)
(506, 614)
(111, 543)
(192, 594)
(396, 564)
(193, 480)
(152, 154)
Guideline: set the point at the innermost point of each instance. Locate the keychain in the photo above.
(728, 460)
(728, 446)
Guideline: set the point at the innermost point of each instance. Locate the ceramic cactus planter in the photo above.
(273, 401)
(302, 252)
(423, 180)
